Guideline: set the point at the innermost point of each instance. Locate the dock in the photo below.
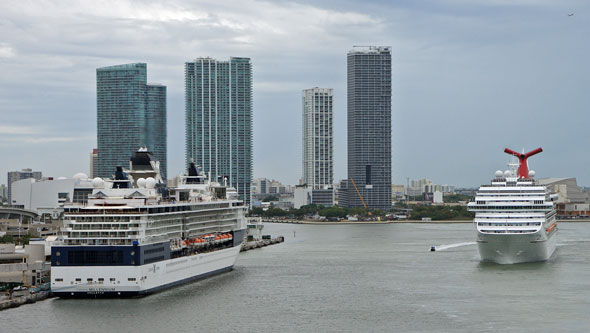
(16, 301)
(261, 243)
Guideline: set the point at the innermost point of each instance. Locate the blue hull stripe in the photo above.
(121, 294)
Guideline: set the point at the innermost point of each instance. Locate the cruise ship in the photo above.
(515, 217)
(135, 236)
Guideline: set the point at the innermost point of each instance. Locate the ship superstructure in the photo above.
(515, 217)
(135, 236)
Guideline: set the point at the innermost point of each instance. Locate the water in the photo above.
(352, 278)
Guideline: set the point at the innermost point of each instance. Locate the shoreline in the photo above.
(393, 222)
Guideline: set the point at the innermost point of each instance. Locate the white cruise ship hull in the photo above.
(125, 281)
(516, 248)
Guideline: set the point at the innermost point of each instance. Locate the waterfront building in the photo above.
(48, 196)
(218, 102)
(14, 176)
(93, 162)
(306, 195)
(317, 137)
(369, 128)
(130, 114)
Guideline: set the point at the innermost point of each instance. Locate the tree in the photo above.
(256, 211)
(7, 239)
(269, 198)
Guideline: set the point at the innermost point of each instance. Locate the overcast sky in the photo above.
(469, 78)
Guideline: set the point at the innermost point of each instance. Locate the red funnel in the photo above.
(523, 168)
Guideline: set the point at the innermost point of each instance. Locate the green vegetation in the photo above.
(269, 198)
(453, 198)
(310, 210)
(441, 213)
(8, 239)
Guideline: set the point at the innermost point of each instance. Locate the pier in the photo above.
(16, 301)
(261, 243)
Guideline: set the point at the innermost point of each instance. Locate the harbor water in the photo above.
(351, 278)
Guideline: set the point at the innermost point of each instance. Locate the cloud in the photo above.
(6, 51)
(458, 66)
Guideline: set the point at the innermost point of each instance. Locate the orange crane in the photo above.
(359, 193)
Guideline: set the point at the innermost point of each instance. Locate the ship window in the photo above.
(89, 280)
(100, 279)
(112, 279)
(131, 279)
(59, 280)
(78, 279)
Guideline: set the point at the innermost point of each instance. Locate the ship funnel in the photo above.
(523, 168)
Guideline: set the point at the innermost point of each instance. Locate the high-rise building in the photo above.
(317, 138)
(369, 127)
(218, 97)
(93, 163)
(18, 175)
(3, 193)
(130, 114)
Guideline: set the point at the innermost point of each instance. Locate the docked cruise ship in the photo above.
(515, 217)
(135, 236)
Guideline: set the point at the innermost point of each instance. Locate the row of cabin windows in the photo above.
(509, 224)
(91, 279)
(536, 202)
(505, 207)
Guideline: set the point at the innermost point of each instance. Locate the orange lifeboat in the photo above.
(551, 227)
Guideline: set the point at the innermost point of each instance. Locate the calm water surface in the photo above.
(351, 278)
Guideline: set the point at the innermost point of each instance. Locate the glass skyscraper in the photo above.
(317, 138)
(218, 97)
(130, 114)
(369, 127)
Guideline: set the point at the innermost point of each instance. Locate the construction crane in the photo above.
(359, 193)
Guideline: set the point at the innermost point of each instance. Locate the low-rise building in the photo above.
(48, 196)
(305, 195)
(14, 176)
(27, 266)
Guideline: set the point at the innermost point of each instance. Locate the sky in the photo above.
(469, 78)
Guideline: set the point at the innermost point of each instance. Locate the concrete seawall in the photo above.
(17, 301)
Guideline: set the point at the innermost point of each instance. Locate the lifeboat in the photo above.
(551, 227)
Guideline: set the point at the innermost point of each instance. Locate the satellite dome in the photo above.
(97, 182)
(150, 182)
(499, 173)
(80, 176)
(532, 173)
(507, 173)
(141, 182)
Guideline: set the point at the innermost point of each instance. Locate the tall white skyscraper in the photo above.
(317, 137)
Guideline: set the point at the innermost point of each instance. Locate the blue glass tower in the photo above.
(218, 97)
(130, 114)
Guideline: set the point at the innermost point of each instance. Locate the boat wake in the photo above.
(451, 246)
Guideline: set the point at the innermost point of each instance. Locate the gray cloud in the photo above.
(469, 76)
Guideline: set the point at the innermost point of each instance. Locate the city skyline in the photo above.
(469, 77)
